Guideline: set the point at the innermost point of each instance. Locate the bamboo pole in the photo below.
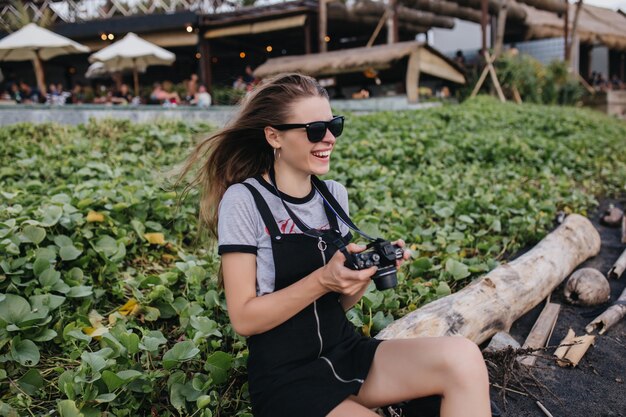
(39, 74)
(381, 22)
(501, 27)
(323, 25)
(574, 29)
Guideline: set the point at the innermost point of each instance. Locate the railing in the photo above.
(71, 11)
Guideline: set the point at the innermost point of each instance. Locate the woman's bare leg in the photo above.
(350, 408)
(406, 369)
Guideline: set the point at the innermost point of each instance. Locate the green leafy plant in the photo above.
(109, 303)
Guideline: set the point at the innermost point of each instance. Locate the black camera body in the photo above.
(383, 254)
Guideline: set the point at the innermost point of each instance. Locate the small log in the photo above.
(541, 331)
(618, 267)
(493, 302)
(544, 409)
(613, 216)
(564, 345)
(610, 316)
(578, 349)
(587, 287)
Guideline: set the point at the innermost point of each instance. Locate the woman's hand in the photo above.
(407, 252)
(338, 278)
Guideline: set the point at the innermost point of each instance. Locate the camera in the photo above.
(383, 254)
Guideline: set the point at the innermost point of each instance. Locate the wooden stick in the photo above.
(494, 79)
(381, 22)
(510, 389)
(564, 345)
(584, 82)
(577, 351)
(516, 95)
(544, 409)
(540, 332)
(618, 267)
(489, 69)
(611, 316)
(480, 82)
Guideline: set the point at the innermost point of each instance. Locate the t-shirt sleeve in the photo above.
(238, 223)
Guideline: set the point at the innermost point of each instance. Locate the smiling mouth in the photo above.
(322, 155)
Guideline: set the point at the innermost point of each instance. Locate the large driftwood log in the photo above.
(493, 302)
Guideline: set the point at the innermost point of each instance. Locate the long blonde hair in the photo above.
(239, 150)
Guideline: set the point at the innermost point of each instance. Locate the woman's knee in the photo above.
(463, 362)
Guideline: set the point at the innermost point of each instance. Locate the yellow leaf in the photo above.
(95, 332)
(167, 257)
(113, 317)
(155, 238)
(95, 318)
(94, 216)
(128, 308)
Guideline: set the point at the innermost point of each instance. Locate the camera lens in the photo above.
(385, 278)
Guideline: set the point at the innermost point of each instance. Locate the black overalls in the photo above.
(309, 364)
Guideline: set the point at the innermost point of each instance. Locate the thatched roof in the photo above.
(377, 57)
(595, 25)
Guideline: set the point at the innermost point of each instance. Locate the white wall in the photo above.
(600, 60)
(465, 36)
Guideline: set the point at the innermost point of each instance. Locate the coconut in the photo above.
(587, 287)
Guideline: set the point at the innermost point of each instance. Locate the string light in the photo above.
(214, 60)
(111, 36)
(198, 55)
(242, 55)
(189, 28)
(103, 36)
(269, 48)
(327, 38)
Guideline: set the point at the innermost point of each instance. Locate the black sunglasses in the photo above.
(315, 131)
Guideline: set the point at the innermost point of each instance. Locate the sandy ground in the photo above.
(597, 387)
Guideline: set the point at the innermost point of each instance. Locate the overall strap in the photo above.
(265, 211)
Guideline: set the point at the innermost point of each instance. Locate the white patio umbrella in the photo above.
(134, 53)
(99, 69)
(35, 43)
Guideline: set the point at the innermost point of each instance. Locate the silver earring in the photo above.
(276, 154)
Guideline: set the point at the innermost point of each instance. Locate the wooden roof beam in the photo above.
(515, 11)
(405, 14)
(445, 8)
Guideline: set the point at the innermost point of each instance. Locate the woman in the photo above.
(287, 291)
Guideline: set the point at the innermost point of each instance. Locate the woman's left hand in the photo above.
(407, 252)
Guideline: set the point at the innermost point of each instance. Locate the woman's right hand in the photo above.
(337, 277)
